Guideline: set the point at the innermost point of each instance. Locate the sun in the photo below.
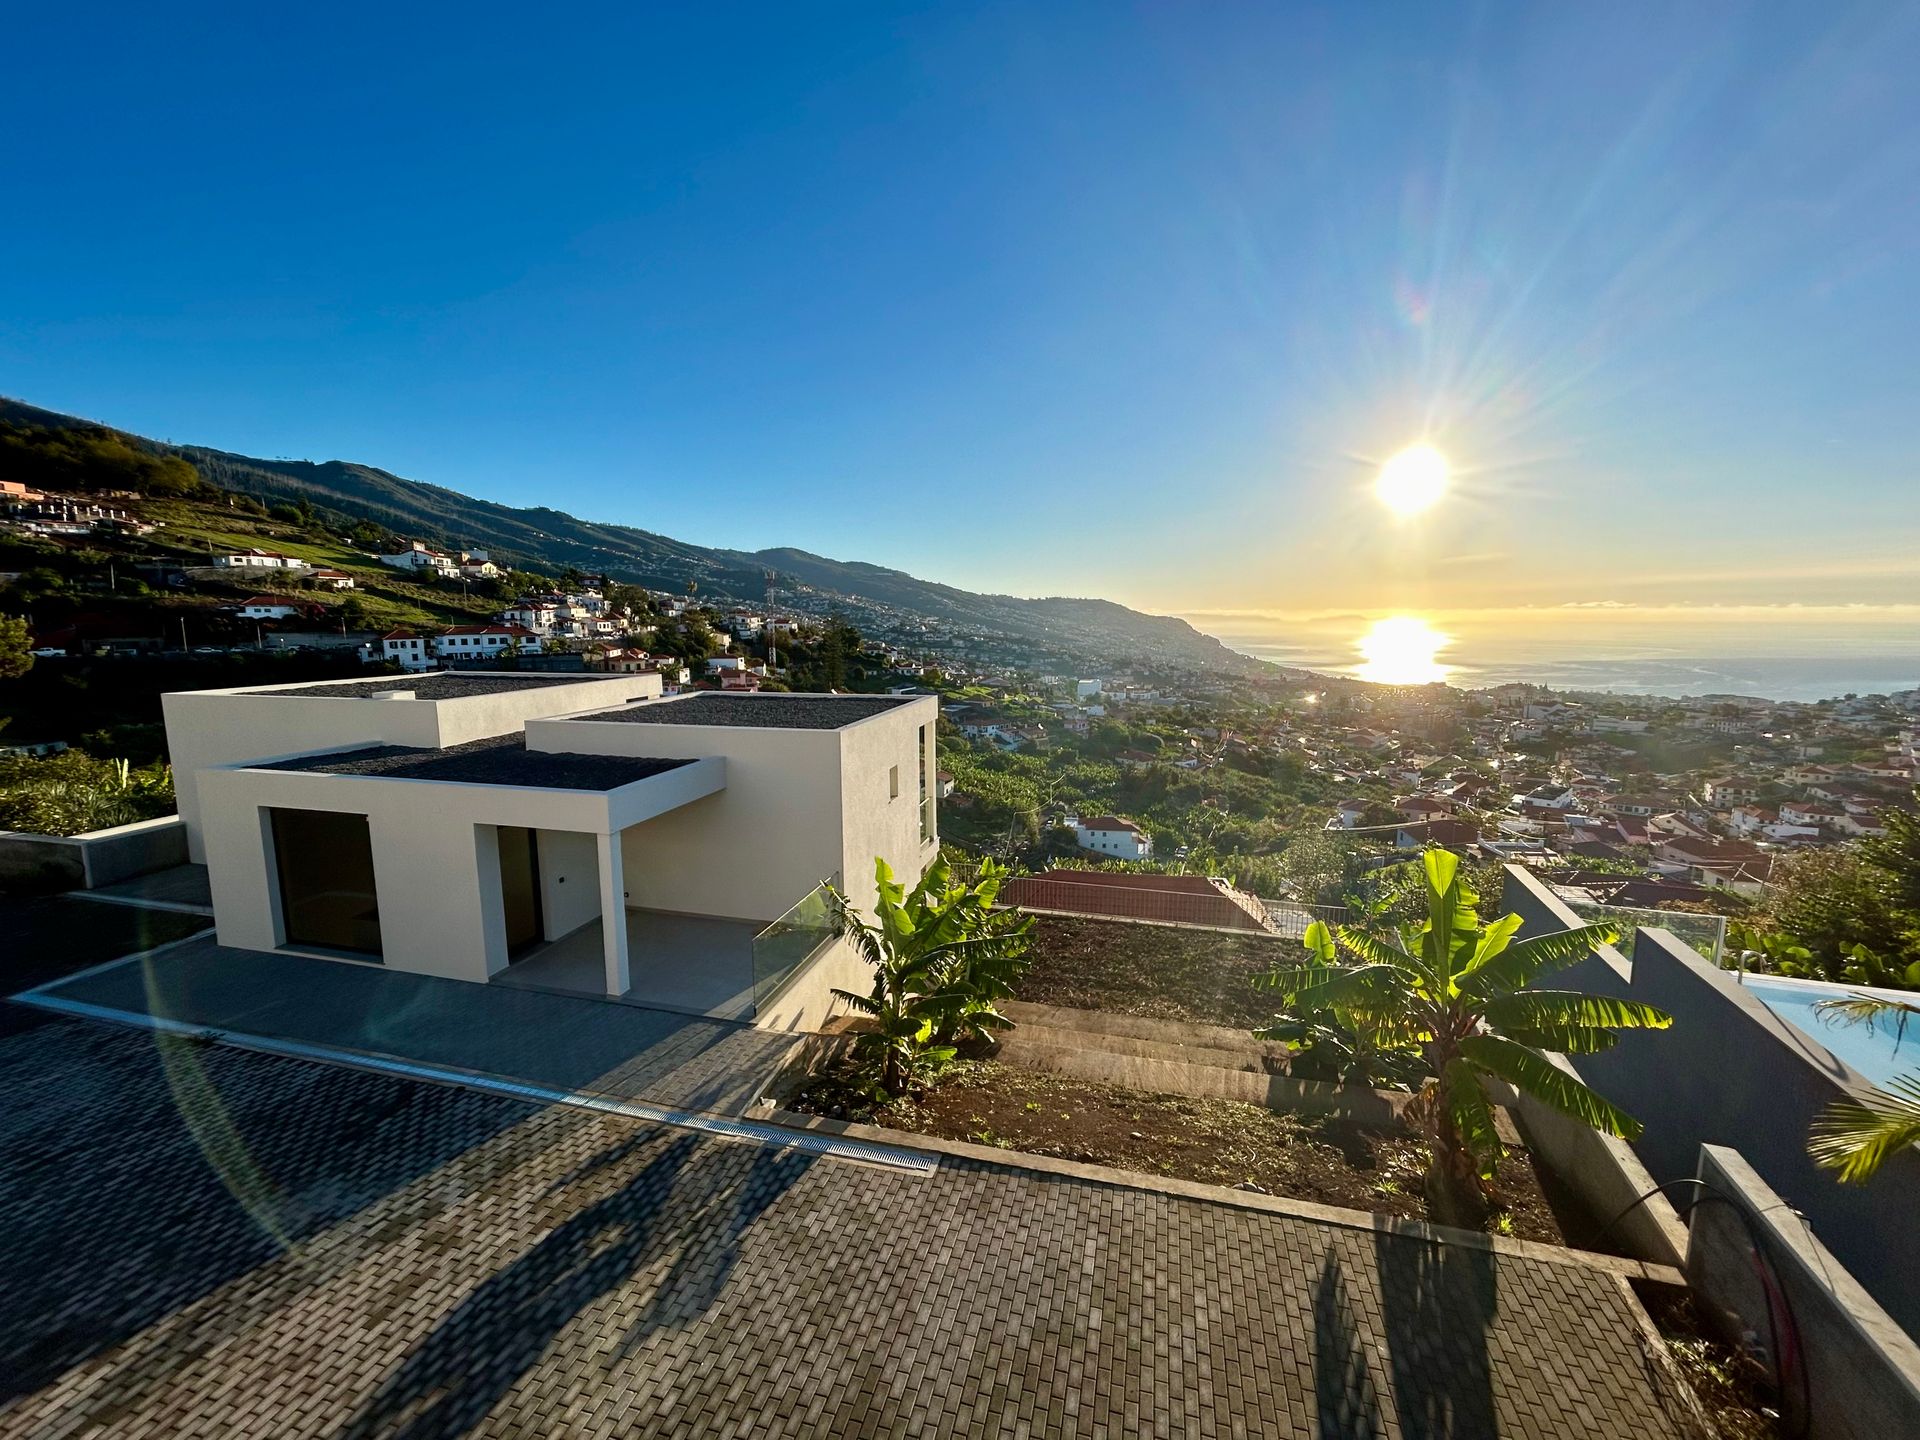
(1402, 650)
(1412, 480)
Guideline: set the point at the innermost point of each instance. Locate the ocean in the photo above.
(1803, 678)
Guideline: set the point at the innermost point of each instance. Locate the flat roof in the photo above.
(503, 760)
(435, 685)
(757, 712)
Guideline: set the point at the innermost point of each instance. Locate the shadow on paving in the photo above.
(43, 938)
(558, 1041)
(1437, 1304)
(144, 1172)
(477, 1354)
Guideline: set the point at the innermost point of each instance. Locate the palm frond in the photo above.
(1533, 1073)
(1563, 1039)
(1858, 1009)
(1516, 965)
(1858, 1135)
(1377, 951)
(1361, 985)
(1556, 1009)
(864, 1004)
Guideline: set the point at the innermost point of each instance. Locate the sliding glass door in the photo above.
(327, 893)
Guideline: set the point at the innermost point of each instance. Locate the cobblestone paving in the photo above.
(204, 1242)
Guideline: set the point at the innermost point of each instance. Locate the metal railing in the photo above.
(786, 946)
(1292, 917)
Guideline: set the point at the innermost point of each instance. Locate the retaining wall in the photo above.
(42, 863)
(1732, 1073)
(1862, 1371)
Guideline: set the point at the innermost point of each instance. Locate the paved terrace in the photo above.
(557, 1042)
(203, 1241)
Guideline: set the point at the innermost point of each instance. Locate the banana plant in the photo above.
(1327, 1046)
(941, 955)
(1461, 992)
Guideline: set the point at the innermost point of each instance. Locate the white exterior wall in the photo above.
(876, 822)
(207, 728)
(569, 881)
(799, 806)
(747, 853)
(435, 855)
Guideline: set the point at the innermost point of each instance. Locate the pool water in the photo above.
(1880, 1054)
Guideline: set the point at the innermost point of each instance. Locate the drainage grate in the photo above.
(835, 1147)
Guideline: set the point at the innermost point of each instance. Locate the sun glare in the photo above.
(1402, 650)
(1412, 480)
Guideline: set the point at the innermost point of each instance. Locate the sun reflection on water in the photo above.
(1402, 650)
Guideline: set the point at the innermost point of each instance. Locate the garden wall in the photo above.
(1732, 1073)
(1862, 1371)
(42, 863)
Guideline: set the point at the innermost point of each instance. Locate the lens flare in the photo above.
(1412, 480)
(1402, 650)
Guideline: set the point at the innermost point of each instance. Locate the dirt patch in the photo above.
(1159, 971)
(1217, 1142)
(1733, 1388)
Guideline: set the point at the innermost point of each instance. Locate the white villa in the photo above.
(569, 832)
(1112, 835)
(258, 560)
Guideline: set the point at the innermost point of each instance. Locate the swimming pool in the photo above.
(1879, 1054)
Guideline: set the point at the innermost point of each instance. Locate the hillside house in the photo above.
(325, 579)
(275, 607)
(575, 833)
(483, 642)
(406, 648)
(1124, 895)
(1112, 835)
(257, 560)
(422, 561)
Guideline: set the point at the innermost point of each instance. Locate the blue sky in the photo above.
(1046, 298)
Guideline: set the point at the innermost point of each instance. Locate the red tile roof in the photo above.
(1119, 895)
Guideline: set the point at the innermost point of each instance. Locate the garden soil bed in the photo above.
(1161, 972)
(1216, 1142)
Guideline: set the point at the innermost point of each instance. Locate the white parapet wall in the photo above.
(801, 804)
(209, 728)
(438, 879)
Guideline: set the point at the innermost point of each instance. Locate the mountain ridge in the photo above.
(542, 536)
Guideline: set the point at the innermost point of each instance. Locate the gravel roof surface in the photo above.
(444, 685)
(502, 761)
(757, 712)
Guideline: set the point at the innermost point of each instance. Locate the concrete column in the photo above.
(613, 912)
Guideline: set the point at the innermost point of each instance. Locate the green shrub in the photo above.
(73, 792)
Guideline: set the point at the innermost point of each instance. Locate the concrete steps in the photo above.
(1171, 1057)
(1053, 1028)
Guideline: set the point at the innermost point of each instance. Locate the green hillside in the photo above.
(552, 540)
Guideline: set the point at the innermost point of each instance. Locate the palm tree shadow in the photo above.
(476, 1355)
(1438, 1303)
(1348, 1405)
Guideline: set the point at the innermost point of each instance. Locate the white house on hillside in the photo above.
(421, 560)
(566, 832)
(1111, 835)
(258, 560)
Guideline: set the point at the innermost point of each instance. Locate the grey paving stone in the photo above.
(207, 1241)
